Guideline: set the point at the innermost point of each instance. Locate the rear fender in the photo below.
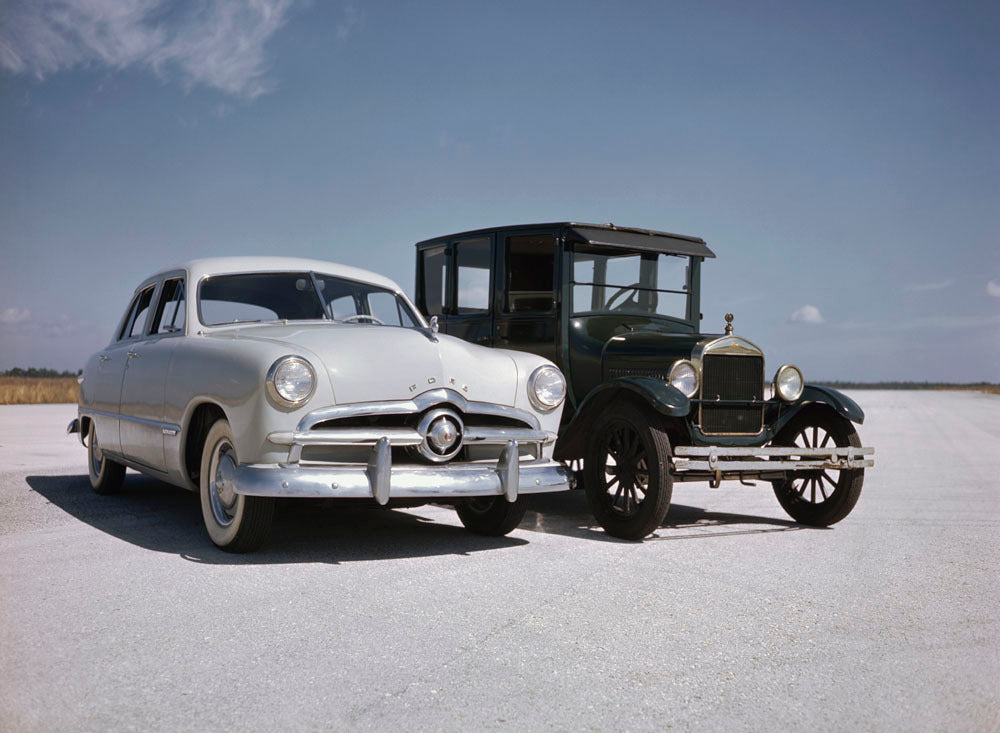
(660, 396)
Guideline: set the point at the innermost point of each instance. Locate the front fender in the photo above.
(814, 394)
(662, 397)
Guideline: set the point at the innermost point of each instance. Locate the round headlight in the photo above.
(291, 380)
(684, 377)
(546, 388)
(788, 383)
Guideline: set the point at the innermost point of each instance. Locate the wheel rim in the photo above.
(222, 483)
(96, 454)
(481, 504)
(626, 470)
(815, 487)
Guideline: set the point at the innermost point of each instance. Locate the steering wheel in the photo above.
(358, 316)
(632, 290)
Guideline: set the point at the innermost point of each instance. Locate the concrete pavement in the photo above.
(117, 613)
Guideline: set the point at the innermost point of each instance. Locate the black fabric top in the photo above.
(643, 240)
(606, 235)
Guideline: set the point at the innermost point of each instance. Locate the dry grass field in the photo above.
(33, 391)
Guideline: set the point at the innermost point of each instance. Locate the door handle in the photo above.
(104, 358)
(134, 355)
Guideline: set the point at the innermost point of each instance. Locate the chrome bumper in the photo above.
(381, 480)
(771, 458)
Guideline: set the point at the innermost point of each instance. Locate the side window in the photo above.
(432, 268)
(170, 311)
(472, 260)
(136, 319)
(530, 267)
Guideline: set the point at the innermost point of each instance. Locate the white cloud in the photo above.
(14, 315)
(993, 289)
(215, 43)
(928, 287)
(351, 19)
(807, 314)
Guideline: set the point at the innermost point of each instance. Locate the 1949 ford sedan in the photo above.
(253, 378)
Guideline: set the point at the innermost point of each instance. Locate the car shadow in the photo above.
(568, 514)
(163, 518)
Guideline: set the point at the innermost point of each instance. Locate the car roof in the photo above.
(199, 268)
(607, 234)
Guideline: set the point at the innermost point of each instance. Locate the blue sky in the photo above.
(842, 159)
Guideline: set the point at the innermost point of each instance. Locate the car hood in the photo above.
(654, 345)
(369, 363)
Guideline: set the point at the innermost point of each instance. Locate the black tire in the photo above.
(627, 472)
(797, 494)
(235, 523)
(106, 476)
(491, 516)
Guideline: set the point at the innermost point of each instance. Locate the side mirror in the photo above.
(434, 324)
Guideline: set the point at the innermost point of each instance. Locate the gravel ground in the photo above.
(117, 613)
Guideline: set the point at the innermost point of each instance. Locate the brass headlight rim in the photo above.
(697, 377)
(775, 383)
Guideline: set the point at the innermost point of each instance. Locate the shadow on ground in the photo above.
(568, 514)
(163, 518)
(160, 517)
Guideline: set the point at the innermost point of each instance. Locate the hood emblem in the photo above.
(729, 324)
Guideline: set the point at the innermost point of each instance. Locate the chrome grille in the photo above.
(726, 377)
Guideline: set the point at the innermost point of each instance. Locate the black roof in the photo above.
(608, 235)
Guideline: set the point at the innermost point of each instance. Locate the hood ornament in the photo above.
(729, 324)
(432, 329)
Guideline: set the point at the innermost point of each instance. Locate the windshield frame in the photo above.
(690, 278)
(402, 301)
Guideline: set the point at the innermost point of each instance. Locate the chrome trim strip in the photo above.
(441, 482)
(419, 403)
(164, 426)
(406, 436)
(348, 436)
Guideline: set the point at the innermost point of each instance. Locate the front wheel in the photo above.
(627, 472)
(491, 516)
(235, 522)
(822, 497)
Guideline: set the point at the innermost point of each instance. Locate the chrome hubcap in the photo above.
(96, 456)
(222, 485)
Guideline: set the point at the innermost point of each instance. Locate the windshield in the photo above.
(616, 281)
(298, 296)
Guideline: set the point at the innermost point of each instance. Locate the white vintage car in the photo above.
(253, 378)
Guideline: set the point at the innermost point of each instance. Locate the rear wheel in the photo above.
(627, 472)
(106, 476)
(493, 516)
(235, 522)
(823, 497)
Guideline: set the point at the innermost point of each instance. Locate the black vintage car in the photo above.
(651, 398)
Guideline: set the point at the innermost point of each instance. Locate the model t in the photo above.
(651, 398)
